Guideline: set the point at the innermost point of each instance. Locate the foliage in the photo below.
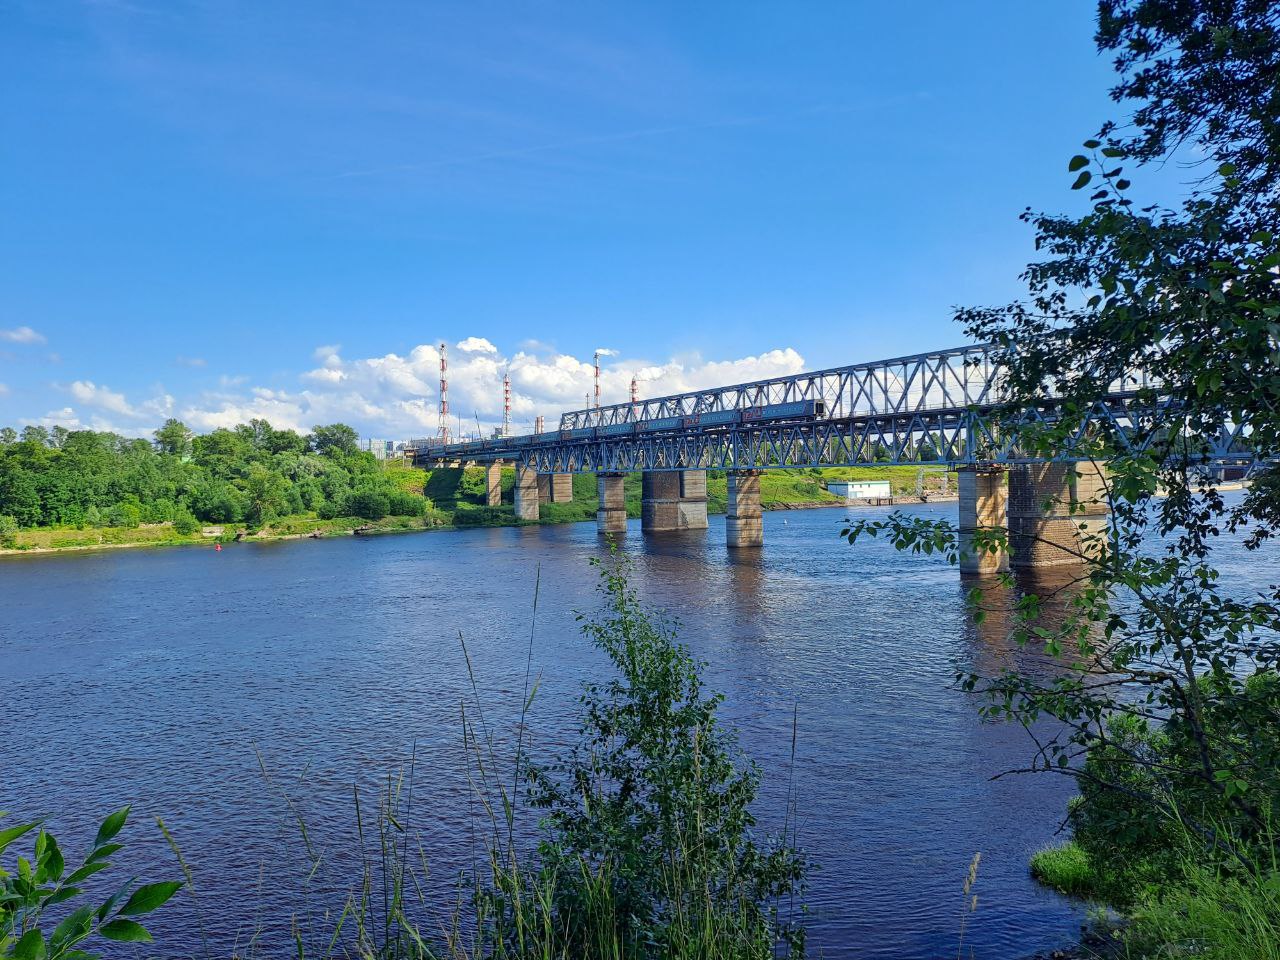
(648, 820)
(1212, 914)
(1066, 868)
(1166, 694)
(35, 886)
(252, 474)
(369, 504)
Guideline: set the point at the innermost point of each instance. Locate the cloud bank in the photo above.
(396, 395)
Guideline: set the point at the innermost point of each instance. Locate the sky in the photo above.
(219, 210)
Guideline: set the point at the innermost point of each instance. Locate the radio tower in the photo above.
(444, 395)
(506, 404)
(635, 391)
(597, 363)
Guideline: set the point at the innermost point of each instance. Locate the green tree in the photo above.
(37, 436)
(369, 504)
(335, 438)
(174, 438)
(1180, 304)
(264, 493)
(8, 436)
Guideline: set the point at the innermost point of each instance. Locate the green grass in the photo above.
(1066, 868)
(1212, 917)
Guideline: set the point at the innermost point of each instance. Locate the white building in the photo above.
(861, 489)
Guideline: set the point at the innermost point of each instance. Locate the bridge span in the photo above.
(931, 408)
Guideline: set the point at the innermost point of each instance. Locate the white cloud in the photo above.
(154, 410)
(191, 361)
(86, 391)
(476, 345)
(22, 335)
(397, 395)
(4, 389)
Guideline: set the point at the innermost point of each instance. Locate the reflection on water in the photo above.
(156, 674)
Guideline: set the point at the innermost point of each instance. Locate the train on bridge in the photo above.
(791, 411)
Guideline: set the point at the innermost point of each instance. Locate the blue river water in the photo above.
(206, 687)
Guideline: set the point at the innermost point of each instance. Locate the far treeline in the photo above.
(250, 474)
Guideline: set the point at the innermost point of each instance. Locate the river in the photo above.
(158, 677)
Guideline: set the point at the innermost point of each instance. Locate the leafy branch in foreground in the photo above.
(1163, 698)
(36, 885)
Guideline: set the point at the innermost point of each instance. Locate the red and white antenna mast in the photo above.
(444, 394)
(506, 404)
(635, 391)
(597, 364)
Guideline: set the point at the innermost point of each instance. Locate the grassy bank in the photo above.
(455, 498)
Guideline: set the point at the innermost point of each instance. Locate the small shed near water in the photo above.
(861, 489)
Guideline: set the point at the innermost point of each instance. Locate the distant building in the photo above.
(382, 449)
(861, 489)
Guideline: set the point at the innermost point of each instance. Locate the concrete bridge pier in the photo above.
(673, 500)
(555, 487)
(983, 497)
(744, 520)
(526, 493)
(1053, 509)
(611, 515)
(493, 484)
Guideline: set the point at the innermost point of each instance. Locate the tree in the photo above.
(264, 490)
(336, 438)
(8, 436)
(36, 436)
(1168, 687)
(174, 438)
(369, 504)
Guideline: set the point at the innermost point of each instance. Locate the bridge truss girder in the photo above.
(940, 437)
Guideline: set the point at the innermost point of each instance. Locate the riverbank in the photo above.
(454, 500)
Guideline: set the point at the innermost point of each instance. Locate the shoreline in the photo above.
(363, 530)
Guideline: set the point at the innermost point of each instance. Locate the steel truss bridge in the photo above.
(941, 408)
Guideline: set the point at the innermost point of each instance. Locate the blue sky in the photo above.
(224, 209)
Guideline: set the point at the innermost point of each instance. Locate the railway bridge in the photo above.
(931, 408)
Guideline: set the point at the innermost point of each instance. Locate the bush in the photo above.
(649, 817)
(400, 504)
(8, 532)
(184, 524)
(328, 510)
(369, 504)
(124, 515)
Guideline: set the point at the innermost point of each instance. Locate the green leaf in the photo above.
(1112, 152)
(146, 898)
(30, 947)
(62, 894)
(88, 870)
(125, 931)
(1078, 162)
(75, 927)
(111, 826)
(1227, 169)
(103, 852)
(13, 833)
(1082, 180)
(1092, 144)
